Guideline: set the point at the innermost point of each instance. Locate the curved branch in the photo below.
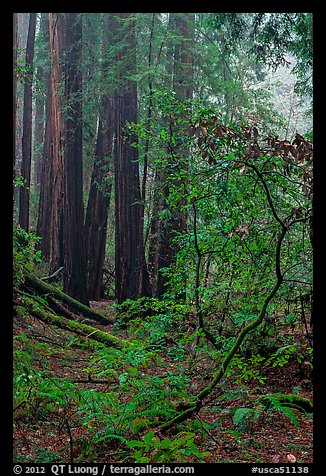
(197, 401)
(268, 195)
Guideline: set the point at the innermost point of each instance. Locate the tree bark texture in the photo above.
(40, 102)
(38, 135)
(27, 127)
(57, 186)
(44, 222)
(75, 280)
(97, 212)
(100, 189)
(22, 33)
(14, 86)
(131, 274)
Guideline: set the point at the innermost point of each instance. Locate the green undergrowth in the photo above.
(144, 384)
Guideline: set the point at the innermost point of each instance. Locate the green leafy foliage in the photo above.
(284, 354)
(247, 369)
(25, 253)
(180, 448)
(245, 418)
(273, 404)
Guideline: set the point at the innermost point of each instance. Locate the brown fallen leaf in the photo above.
(276, 459)
(291, 458)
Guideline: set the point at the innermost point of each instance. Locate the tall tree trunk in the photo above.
(147, 144)
(100, 189)
(39, 124)
(97, 212)
(44, 222)
(22, 33)
(163, 250)
(131, 274)
(38, 135)
(27, 127)
(75, 281)
(14, 87)
(57, 189)
(183, 61)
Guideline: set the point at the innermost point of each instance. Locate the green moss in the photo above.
(74, 326)
(297, 401)
(85, 310)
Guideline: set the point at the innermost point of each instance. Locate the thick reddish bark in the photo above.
(14, 87)
(39, 121)
(22, 33)
(57, 188)
(101, 184)
(38, 137)
(97, 211)
(44, 222)
(27, 127)
(75, 282)
(130, 271)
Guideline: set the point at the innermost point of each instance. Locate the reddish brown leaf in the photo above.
(213, 121)
(204, 131)
(291, 458)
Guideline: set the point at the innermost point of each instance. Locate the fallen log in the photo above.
(83, 330)
(86, 311)
(291, 400)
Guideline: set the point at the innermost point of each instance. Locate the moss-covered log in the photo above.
(291, 400)
(86, 311)
(73, 326)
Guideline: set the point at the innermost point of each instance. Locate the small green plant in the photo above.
(245, 418)
(177, 449)
(20, 458)
(247, 369)
(271, 404)
(26, 379)
(25, 254)
(146, 307)
(285, 354)
(44, 455)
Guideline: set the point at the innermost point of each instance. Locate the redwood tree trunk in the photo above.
(22, 33)
(50, 216)
(130, 266)
(14, 87)
(39, 124)
(75, 282)
(38, 135)
(57, 187)
(44, 222)
(97, 210)
(27, 127)
(101, 184)
(163, 250)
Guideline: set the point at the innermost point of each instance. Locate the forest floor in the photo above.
(273, 439)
